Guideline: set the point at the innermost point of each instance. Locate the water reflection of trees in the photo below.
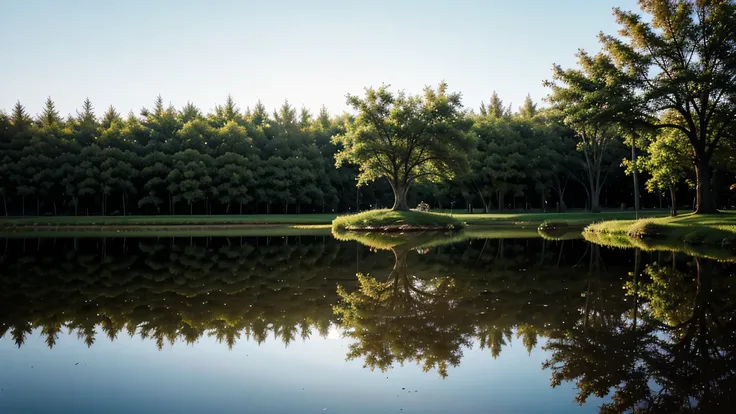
(254, 288)
(649, 331)
(405, 318)
(669, 350)
(480, 296)
(166, 292)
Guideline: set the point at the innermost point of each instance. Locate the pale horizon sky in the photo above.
(310, 52)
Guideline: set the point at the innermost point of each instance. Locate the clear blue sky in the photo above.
(125, 53)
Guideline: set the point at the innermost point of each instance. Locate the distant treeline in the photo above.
(182, 161)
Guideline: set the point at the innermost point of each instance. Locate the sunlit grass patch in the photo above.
(690, 229)
(388, 220)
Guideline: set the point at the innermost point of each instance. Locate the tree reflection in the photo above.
(405, 318)
(166, 291)
(678, 356)
(426, 317)
(658, 338)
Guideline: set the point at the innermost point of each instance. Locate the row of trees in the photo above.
(175, 161)
(665, 83)
(665, 88)
(667, 80)
(169, 160)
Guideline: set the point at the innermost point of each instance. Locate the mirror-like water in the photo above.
(308, 324)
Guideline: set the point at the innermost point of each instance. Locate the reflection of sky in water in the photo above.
(131, 376)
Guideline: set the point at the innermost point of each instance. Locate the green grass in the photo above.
(172, 231)
(623, 241)
(492, 225)
(167, 220)
(690, 229)
(573, 219)
(551, 225)
(387, 220)
(387, 241)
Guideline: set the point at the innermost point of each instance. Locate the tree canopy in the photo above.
(406, 138)
(680, 59)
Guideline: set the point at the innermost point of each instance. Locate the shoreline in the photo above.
(272, 224)
(712, 230)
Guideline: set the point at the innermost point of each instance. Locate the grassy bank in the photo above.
(689, 229)
(712, 252)
(387, 220)
(392, 240)
(168, 231)
(167, 220)
(572, 219)
(272, 224)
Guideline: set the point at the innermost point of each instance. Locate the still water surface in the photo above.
(311, 324)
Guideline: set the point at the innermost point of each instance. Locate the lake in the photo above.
(300, 324)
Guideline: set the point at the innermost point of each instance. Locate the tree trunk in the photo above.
(705, 203)
(544, 201)
(486, 204)
(286, 208)
(673, 199)
(5, 205)
(75, 201)
(595, 205)
(400, 191)
(268, 208)
(561, 187)
(241, 209)
(123, 204)
(227, 209)
(55, 213)
(38, 205)
(594, 194)
(501, 202)
(190, 208)
(635, 174)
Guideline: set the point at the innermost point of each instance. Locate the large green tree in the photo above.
(406, 138)
(667, 164)
(681, 57)
(582, 97)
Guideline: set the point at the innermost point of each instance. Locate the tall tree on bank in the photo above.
(406, 138)
(583, 97)
(667, 164)
(682, 59)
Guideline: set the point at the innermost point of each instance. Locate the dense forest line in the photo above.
(181, 161)
(658, 103)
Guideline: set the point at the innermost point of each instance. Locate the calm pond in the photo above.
(313, 325)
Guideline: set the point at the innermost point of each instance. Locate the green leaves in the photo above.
(405, 138)
(589, 101)
(680, 61)
(668, 161)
